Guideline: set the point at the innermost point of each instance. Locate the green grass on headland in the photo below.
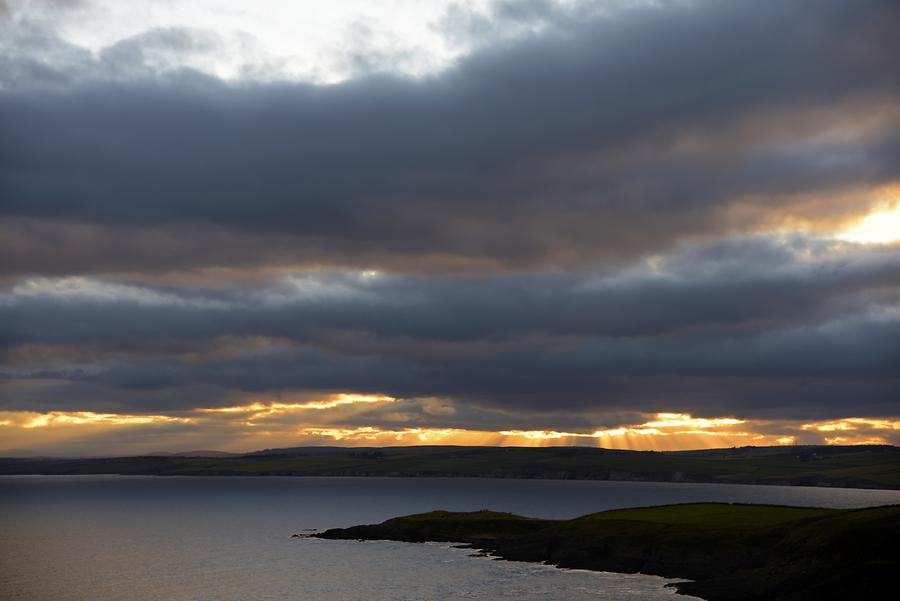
(729, 552)
(860, 467)
(720, 515)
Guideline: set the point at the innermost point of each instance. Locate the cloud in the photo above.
(590, 216)
(531, 153)
(761, 326)
(81, 432)
(735, 285)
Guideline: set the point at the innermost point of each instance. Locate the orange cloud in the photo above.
(58, 418)
(681, 430)
(852, 424)
(668, 420)
(260, 409)
(856, 430)
(325, 421)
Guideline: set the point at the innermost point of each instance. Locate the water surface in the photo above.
(143, 538)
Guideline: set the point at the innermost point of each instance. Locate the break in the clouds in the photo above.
(504, 221)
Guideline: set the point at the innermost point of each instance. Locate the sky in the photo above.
(629, 224)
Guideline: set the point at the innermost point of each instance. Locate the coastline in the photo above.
(725, 552)
(866, 467)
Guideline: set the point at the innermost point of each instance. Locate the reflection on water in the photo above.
(228, 539)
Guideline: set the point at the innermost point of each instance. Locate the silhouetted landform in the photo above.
(728, 552)
(194, 454)
(848, 466)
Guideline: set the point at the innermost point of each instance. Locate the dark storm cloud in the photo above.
(726, 287)
(514, 155)
(752, 325)
(812, 374)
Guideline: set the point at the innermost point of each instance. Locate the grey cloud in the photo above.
(813, 373)
(505, 20)
(754, 325)
(730, 286)
(158, 50)
(492, 158)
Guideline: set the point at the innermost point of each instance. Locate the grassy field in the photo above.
(719, 515)
(858, 466)
(729, 552)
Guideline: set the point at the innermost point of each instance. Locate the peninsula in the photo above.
(728, 552)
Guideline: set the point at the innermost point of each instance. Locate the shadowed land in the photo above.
(728, 552)
(875, 466)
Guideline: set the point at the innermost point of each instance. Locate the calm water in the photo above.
(124, 538)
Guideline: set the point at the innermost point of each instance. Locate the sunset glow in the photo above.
(78, 418)
(262, 409)
(259, 424)
(853, 423)
(881, 226)
(666, 431)
(684, 420)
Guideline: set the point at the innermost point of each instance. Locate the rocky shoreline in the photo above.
(725, 552)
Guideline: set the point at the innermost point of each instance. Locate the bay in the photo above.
(144, 538)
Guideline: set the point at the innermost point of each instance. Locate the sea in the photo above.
(146, 538)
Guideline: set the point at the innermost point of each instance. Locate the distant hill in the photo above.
(193, 454)
(872, 466)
